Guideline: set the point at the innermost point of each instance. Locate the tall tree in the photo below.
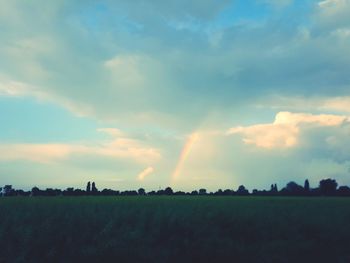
(88, 187)
(93, 188)
(307, 185)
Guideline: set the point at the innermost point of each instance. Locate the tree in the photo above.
(69, 191)
(343, 191)
(35, 191)
(228, 192)
(242, 190)
(8, 190)
(88, 187)
(202, 191)
(219, 192)
(274, 188)
(141, 191)
(307, 185)
(93, 188)
(168, 191)
(328, 186)
(49, 192)
(292, 188)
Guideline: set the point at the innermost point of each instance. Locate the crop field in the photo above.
(174, 229)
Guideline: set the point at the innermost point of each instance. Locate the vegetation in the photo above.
(174, 229)
(327, 187)
(166, 226)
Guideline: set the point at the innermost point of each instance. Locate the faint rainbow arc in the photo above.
(184, 154)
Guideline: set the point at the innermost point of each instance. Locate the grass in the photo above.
(174, 229)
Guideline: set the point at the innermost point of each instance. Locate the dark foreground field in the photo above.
(174, 229)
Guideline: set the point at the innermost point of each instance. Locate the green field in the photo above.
(174, 229)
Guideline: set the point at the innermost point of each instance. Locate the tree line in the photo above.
(326, 187)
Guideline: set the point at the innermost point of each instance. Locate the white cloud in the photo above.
(41, 153)
(120, 147)
(284, 131)
(333, 6)
(19, 89)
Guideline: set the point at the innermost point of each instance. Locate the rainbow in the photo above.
(184, 154)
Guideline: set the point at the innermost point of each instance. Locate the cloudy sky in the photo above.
(195, 93)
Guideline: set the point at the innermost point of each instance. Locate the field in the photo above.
(174, 229)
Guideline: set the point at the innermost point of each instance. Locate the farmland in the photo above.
(174, 228)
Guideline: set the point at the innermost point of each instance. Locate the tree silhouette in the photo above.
(69, 191)
(274, 188)
(219, 192)
(141, 191)
(328, 187)
(93, 188)
(202, 191)
(8, 190)
(88, 187)
(292, 188)
(168, 191)
(307, 185)
(228, 192)
(343, 191)
(242, 190)
(35, 191)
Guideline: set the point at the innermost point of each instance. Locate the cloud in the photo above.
(42, 153)
(112, 132)
(333, 14)
(339, 104)
(333, 7)
(11, 88)
(142, 65)
(163, 68)
(285, 130)
(19, 89)
(118, 148)
(145, 173)
(127, 71)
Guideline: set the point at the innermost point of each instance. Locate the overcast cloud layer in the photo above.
(183, 93)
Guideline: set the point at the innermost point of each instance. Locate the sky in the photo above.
(189, 94)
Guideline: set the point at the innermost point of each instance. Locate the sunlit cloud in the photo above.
(41, 153)
(119, 148)
(147, 76)
(285, 130)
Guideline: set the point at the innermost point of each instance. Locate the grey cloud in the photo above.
(184, 75)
